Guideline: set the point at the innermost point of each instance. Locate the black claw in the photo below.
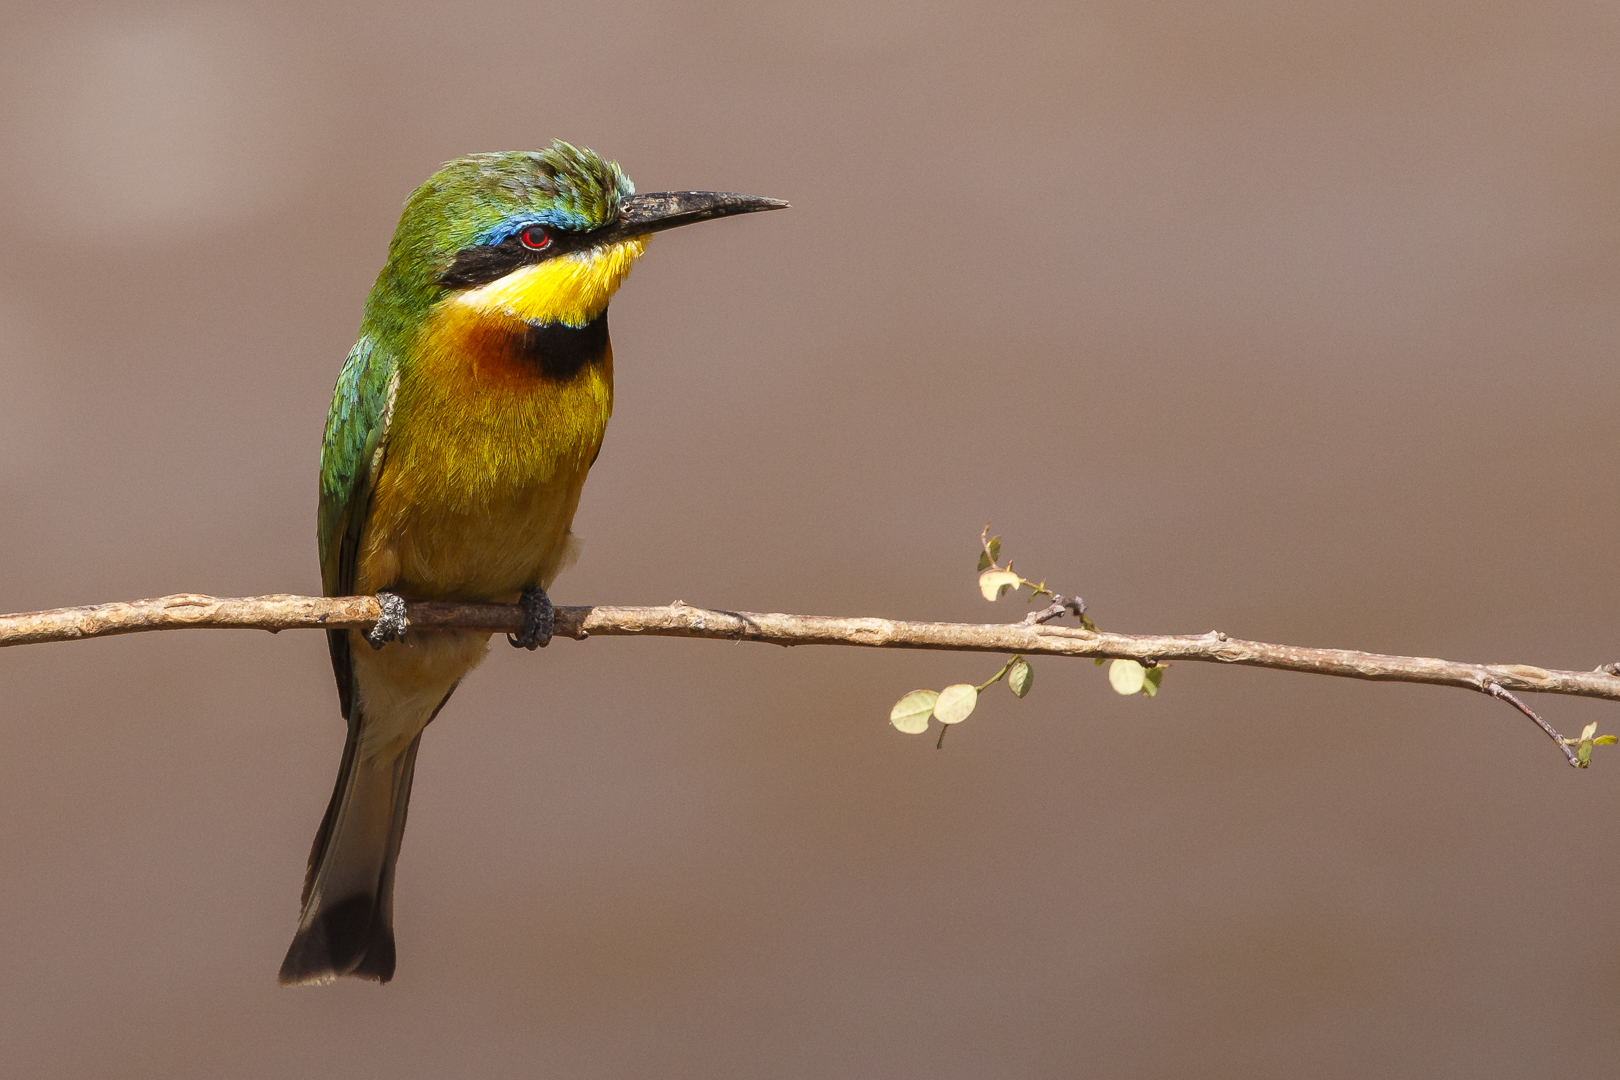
(392, 625)
(538, 620)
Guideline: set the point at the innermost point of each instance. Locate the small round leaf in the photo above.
(1020, 677)
(992, 582)
(910, 714)
(956, 703)
(1126, 677)
(1151, 681)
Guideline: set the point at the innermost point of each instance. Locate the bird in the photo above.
(461, 430)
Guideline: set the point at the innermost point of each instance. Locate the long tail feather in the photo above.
(347, 925)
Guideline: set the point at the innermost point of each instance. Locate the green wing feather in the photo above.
(351, 456)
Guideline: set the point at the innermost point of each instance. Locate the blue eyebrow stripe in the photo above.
(556, 219)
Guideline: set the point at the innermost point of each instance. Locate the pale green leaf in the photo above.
(1591, 730)
(1126, 677)
(956, 703)
(992, 583)
(1020, 676)
(910, 714)
(1606, 740)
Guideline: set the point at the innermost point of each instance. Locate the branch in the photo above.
(287, 612)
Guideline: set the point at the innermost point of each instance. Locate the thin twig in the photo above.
(1059, 607)
(1496, 691)
(285, 612)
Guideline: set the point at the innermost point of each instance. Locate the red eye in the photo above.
(535, 238)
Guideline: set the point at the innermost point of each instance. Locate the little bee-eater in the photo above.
(460, 433)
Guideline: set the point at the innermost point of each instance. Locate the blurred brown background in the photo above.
(1295, 320)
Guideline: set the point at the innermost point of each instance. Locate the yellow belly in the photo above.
(482, 471)
(484, 464)
(488, 551)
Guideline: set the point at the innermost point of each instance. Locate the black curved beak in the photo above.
(656, 211)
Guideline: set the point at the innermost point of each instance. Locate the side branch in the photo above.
(287, 612)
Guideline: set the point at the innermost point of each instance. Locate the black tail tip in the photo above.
(347, 938)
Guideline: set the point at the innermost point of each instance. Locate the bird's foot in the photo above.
(539, 617)
(392, 625)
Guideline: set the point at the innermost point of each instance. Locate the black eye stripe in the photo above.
(480, 265)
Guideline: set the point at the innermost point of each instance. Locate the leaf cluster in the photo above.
(1589, 738)
(955, 703)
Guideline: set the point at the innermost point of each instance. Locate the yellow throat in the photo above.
(571, 289)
